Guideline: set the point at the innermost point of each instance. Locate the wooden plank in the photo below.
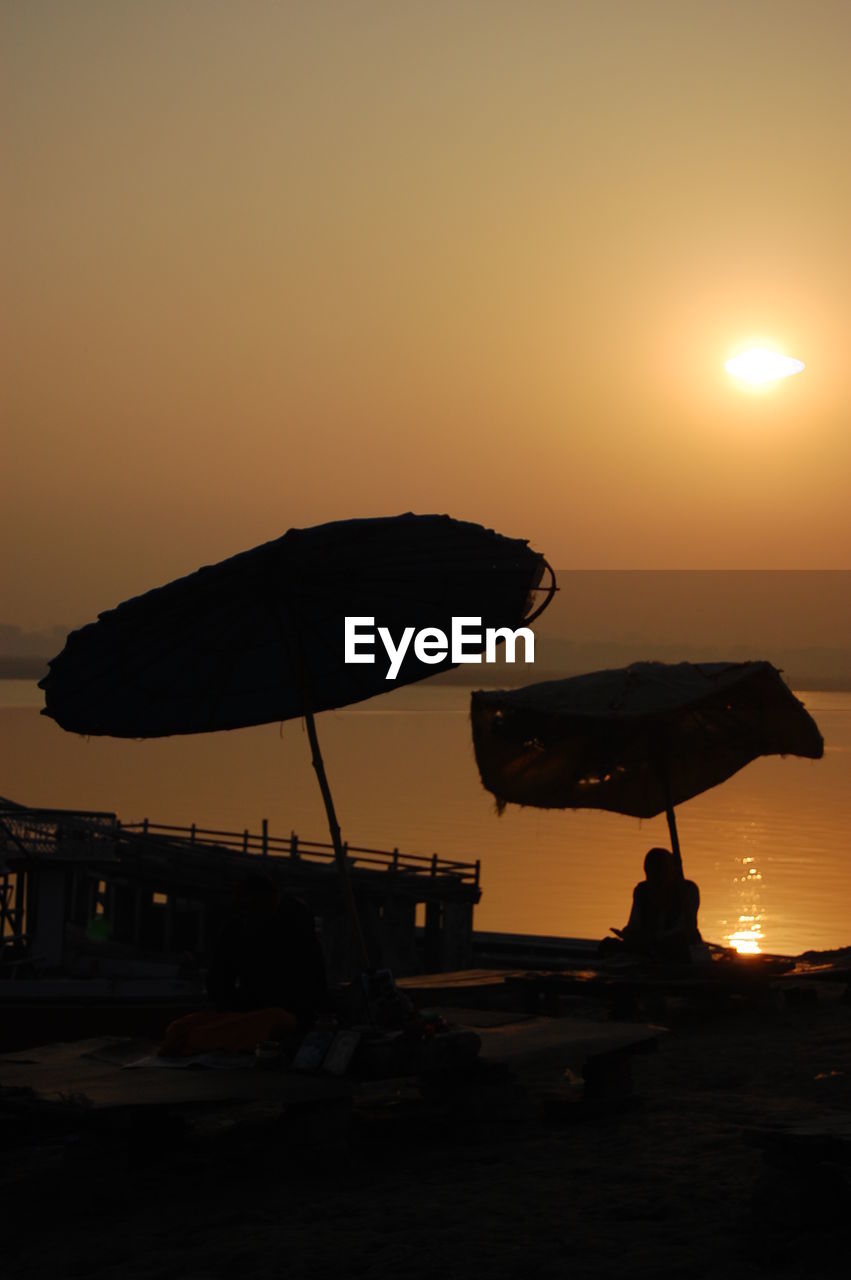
(459, 978)
(577, 1042)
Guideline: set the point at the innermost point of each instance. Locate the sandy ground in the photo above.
(667, 1186)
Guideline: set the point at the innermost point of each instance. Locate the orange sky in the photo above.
(268, 264)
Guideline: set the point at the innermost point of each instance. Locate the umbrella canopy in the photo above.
(636, 740)
(259, 637)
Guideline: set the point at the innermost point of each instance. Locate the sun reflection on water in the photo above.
(747, 937)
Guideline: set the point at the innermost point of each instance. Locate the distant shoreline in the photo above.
(23, 668)
(509, 679)
(464, 677)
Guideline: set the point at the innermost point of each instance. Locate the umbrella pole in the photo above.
(336, 837)
(675, 839)
(672, 821)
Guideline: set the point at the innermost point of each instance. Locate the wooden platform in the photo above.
(511, 1037)
(95, 1070)
(521, 988)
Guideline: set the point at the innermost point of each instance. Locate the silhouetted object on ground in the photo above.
(663, 920)
(260, 637)
(636, 740)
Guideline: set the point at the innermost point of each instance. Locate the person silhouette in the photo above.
(663, 919)
(269, 955)
(266, 979)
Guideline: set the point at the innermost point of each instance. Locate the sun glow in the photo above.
(760, 365)
(746, 941)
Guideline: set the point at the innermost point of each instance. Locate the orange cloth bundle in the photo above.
(212, 1032)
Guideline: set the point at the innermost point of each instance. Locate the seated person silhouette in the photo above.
(663, 920)
(269, 956)
(266, 977)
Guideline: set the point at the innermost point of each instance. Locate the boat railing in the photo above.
(265, 845)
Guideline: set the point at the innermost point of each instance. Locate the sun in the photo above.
(759, 366)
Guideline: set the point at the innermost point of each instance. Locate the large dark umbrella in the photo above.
(637, 740)
(260, 637)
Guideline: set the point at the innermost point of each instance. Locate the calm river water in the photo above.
(769, 848)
